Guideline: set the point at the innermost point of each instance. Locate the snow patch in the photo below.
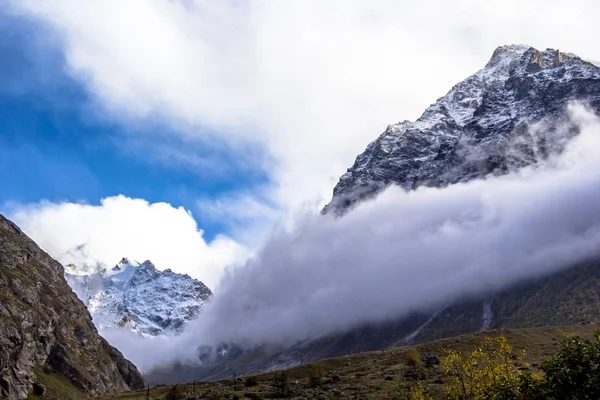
(487, 316)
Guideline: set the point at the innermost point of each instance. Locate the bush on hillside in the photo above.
(175, 393)
(282, 383)
(412, 358)
(316, 373)
(489, 372)
(251, 381)
(476, 374)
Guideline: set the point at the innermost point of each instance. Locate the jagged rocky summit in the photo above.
(139, 297)
(482, 126)
(46, 330)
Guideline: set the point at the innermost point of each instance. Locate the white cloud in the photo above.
(248, 218)
(123, 227)
(310, 80)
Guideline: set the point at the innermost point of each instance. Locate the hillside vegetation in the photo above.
(389, 374)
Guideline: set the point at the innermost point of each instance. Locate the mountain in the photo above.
(139, 297)
(46, 330)
(484, 125)
(510, 114)
(480, 127)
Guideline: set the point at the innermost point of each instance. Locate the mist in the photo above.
(400, 253)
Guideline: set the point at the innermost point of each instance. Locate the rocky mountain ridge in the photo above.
(508, 115)
(138, 297)
(46, 329)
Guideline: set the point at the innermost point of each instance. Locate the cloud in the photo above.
(248, 218)
(311, 81)
(406, 252)
(118, 227)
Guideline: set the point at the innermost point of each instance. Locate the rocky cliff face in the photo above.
(486, 124)
(139, 297)
(44, 324)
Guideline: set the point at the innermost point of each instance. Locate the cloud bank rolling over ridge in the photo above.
(404, 252)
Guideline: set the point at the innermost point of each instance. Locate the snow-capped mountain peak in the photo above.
(481, 126)
(138, 296)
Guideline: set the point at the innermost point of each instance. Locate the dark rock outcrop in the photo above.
(39, 389)
(43, 323)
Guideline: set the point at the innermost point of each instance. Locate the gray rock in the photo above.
(39, 389)
(431, 360)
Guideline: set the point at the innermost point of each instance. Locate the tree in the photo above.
(475, 375)
(282, 383)
(488, 372)
(574, 372)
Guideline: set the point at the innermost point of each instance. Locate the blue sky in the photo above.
(55, 144)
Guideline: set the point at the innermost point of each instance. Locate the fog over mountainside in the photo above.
(405, 252)
(494, 184)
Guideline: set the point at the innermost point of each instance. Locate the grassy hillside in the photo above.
(373, 375)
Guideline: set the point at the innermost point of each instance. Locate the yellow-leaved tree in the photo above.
(474, 375)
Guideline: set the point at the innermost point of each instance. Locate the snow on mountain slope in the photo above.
(138, 296)
(483, 125)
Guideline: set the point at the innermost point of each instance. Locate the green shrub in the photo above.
(175, 393)
(215, 395)
(412, 358)
(316, 373)
(251, 381)
(409, 392)
(282, 384)
(574, 372)
(254, 396)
